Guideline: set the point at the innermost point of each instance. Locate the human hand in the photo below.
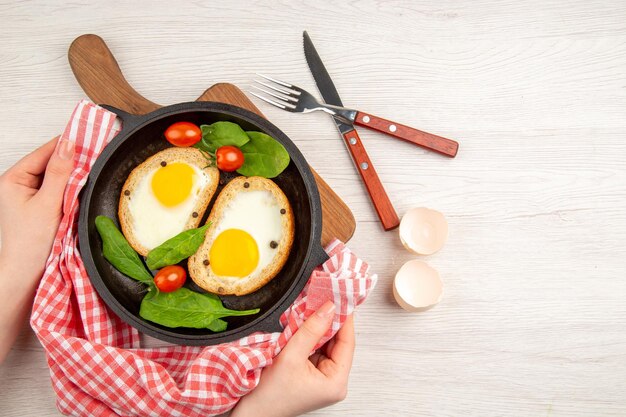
(296, 382)
(31, 195)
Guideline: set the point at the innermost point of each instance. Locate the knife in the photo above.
(380, 199)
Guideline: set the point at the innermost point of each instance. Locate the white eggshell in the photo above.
(423, 231)
(417, 286)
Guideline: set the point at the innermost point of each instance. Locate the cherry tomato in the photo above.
(183, 134)
(170, 278)
(229, 158)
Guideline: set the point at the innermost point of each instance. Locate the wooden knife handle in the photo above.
(427, 140)
(382, 204)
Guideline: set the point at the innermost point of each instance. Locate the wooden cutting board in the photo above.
(100, 76)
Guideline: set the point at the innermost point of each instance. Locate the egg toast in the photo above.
(166, 194)
(249, 239)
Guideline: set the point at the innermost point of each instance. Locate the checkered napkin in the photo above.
(97, 365)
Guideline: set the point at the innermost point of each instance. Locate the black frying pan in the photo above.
(141, 137)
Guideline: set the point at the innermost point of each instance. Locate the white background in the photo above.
(533, 322)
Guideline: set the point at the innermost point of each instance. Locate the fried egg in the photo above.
(247, 235)
(249, 238)
(163, 202)
(165, 196)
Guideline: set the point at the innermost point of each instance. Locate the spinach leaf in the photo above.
(119, 253)
(174, 250)
(264, 156)
(221, 134)
(217, 325)
(186, 308)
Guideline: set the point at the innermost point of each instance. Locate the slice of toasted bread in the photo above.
(136, 186)
(200, 264)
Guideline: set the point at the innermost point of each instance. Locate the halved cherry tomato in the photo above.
(183, 134)
(170, 278)
(229, 158)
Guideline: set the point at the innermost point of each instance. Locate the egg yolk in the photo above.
(172, 183)
(234, 253)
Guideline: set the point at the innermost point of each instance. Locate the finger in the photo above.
(311, 331)
(57, 174)
(342, 350)
(35, 162)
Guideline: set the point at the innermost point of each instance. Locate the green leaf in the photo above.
(263, 156)
(119, 253)
(221, 134)
(217, 325)
(174, 250)
(186, 308)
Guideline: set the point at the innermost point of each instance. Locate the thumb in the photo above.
(312, 330)
(57, 174)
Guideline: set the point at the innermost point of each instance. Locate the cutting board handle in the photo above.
(100, 76)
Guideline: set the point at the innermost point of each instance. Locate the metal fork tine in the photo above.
(284, 84)
(300, 101)
(280, 90)
(285, 106)
(288, 98)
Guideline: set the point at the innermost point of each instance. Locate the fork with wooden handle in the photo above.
(294, 99)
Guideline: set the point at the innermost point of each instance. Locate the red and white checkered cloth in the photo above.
(96, 363)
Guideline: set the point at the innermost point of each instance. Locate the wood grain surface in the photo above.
(533, 318)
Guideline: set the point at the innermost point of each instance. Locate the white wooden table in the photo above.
(533, 322)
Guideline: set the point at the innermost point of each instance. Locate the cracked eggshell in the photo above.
(417, 286)
(423, 231)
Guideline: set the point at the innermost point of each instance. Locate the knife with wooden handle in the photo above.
(380, 199)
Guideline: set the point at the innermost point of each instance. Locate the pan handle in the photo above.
(272, 324)
(318, 255)
(128, 120)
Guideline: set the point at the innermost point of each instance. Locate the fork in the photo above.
(294, 99)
